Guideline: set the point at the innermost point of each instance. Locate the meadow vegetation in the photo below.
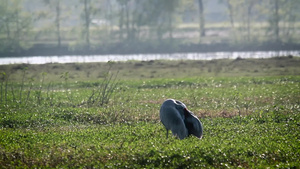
(106, 115)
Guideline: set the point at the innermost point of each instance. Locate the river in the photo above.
(144, 57)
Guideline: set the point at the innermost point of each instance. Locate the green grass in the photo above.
(249, 121)
(234, 142)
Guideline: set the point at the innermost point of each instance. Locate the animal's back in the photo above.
(172, 119)
(194, 125)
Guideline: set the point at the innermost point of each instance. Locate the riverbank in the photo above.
(145, 57)
(147, 48)
(137, 70)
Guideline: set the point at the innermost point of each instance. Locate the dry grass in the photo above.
(139, 70)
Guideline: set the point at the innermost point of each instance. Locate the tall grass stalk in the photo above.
(50, 96)
(104, 91)
(13, 93)
(65, 76)
(39, 94)
(30, 89)
(22, 84)
(6, 86)
(109, 85)
(3, 79)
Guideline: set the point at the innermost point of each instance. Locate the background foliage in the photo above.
(108, 26)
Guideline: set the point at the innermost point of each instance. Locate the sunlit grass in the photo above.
(249, 122)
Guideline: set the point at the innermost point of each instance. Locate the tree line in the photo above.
(88, 24)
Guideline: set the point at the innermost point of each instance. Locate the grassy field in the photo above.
(106, 115)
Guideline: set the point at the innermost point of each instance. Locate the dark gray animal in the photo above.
(176, 117)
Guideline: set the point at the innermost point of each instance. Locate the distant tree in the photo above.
(131, 17)
(123, 14)
(89, 10)
(233, 10)
(201, 18)
(241, 13)
(282, 16)
(87, 21)
(249, 6)
(153, 18)
(156, 15)
(108, 10)
(137, 16)
(230, 6)
(15, 24)
(148, 14)
(56, 5)
(246, 11)
(290, 16)
(274, 19)
(161, 15)
(170, 6)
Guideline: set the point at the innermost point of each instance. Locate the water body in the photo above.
(143, 57)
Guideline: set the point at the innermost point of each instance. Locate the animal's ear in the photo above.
(180, 103)
(178, 106)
